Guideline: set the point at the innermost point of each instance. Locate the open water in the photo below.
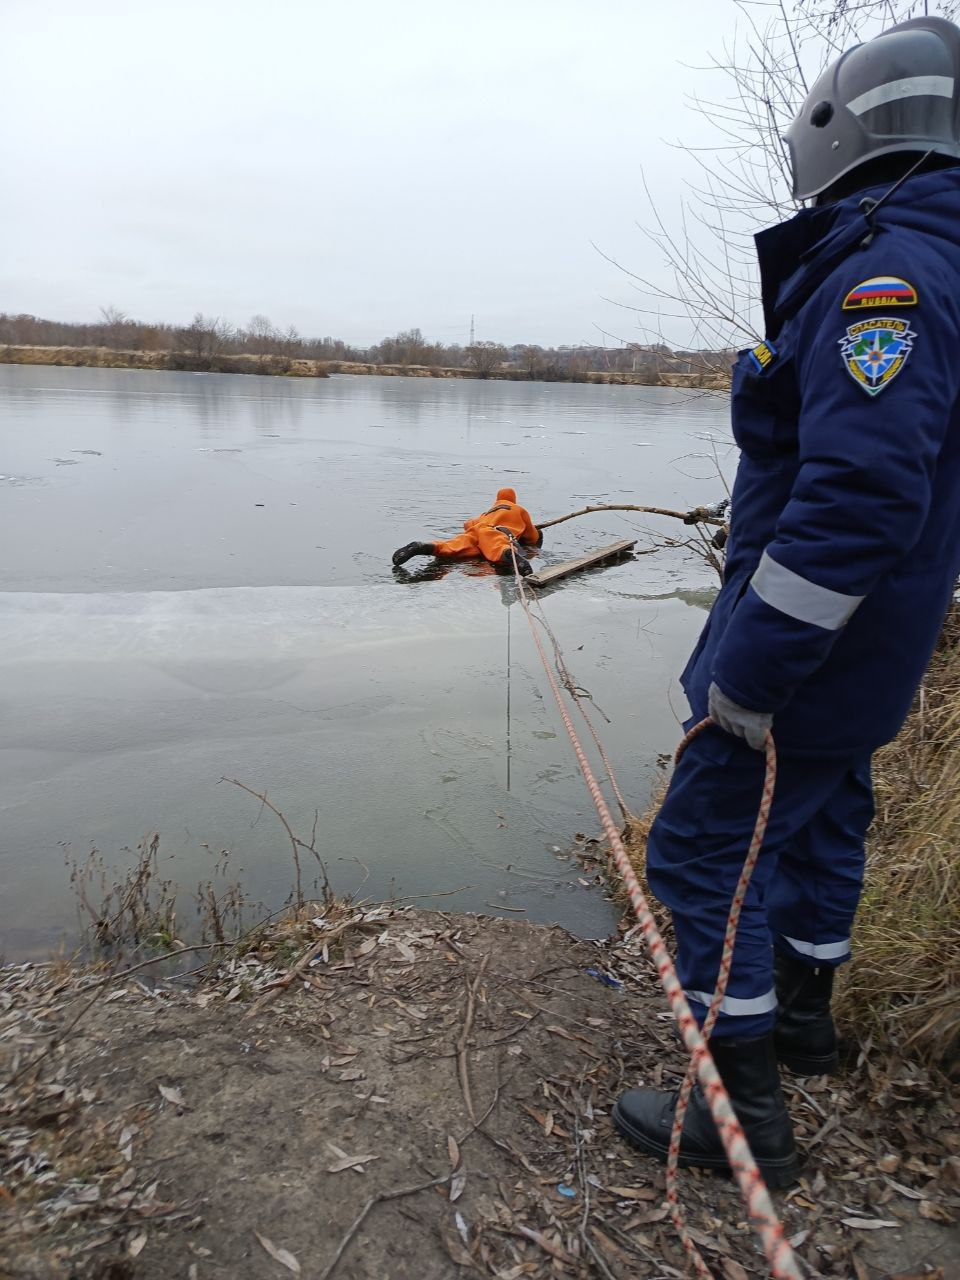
(195, 583)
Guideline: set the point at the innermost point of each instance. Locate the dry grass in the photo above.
(183, 361)
(903, 984)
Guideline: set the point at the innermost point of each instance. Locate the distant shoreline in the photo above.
(289, 367)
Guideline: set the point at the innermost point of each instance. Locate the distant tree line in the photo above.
(208, 336)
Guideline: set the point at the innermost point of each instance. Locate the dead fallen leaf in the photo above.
(934, 1212)
(546, 1122)
(458, 1178)
(344, 1161)
(868, 1224)
(283, 1256)
(634, 1193)
(405, 951)
(610, 1247)
(173, 1096)
(555, 1250)
(655, 1215)
(919, 1275)
(458, 1254)
(732, 1270)
(136, 1245)
(589, 1046)
(905, 1191)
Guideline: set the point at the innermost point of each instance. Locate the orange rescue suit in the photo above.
(481, 536)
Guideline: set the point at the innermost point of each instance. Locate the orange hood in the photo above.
(506, 495)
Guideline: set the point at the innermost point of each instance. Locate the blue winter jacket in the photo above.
(845, 537)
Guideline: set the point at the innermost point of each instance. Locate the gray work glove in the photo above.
(739, 721)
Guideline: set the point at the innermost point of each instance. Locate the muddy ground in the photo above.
(429, 1098)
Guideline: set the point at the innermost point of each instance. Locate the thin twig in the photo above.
(294, 842)
(382, 1198)
(463, 1069)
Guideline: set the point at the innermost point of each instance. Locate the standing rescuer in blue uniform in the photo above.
(843, 555)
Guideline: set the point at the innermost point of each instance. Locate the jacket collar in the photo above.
(798, 255)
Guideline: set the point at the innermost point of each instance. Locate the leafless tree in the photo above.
(406, 347)
(707, 295)
(261, 335)
(484, 357)
(205, 335)
(116, 326)
(532, 361)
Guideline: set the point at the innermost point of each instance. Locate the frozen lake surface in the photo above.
(196, 583)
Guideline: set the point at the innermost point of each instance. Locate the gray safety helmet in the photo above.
(898, 92)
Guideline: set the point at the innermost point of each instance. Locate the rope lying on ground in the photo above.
(780, 1257)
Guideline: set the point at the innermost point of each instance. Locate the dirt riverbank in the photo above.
(283, 366)
(428, 1098)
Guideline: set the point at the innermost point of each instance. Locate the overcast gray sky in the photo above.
(350, 168)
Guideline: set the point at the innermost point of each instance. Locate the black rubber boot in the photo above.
(805, 1038)
(749, 1071)
(524, 567)
(413, 549)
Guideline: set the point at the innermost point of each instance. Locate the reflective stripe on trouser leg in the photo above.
(814, 897)
(765, 1003)
(821, 952)
(695, 853)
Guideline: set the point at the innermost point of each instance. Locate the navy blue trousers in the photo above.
(805, 887)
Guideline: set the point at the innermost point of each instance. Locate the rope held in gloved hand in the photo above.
(780, 1257)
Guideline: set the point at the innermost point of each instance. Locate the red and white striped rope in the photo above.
(780, 1257)
(723, 979)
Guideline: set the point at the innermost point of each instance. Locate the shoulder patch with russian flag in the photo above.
(881, 291)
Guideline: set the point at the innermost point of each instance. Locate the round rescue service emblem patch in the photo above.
(874, 352)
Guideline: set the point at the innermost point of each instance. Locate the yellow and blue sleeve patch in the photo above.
(881, 291)
(763, 356)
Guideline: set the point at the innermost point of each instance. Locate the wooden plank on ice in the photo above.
(543, 577)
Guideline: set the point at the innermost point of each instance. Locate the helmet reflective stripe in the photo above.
(897, 94)
(896, 90)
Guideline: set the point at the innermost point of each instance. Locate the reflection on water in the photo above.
(207, 591)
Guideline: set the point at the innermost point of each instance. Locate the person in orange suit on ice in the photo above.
(486, 535)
